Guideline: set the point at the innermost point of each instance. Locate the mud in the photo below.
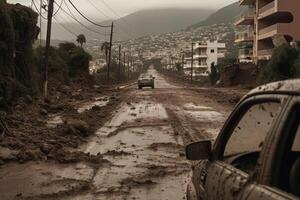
(137, 153)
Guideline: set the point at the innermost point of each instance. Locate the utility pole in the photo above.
(47, 48)
(182, 61)
(124, 62)
(128, 67)
(192, 64)
(110, 47)
(119, 72)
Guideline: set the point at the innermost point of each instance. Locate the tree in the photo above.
(81, 39)
(214, 74)
(105, 47)
(281, 66)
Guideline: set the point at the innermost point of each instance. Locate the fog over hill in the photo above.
(137, 24)
(224, 15)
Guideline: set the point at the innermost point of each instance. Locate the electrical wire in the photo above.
(70, 14)
(120, 18)
(64, 27)
(103, 26)
(61, 3)
(38, 10)
(100, 11)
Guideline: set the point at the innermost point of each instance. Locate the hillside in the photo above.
(225, 15)
(142, 23)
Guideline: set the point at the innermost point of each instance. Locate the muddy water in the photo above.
(145, 153)
(144, 148)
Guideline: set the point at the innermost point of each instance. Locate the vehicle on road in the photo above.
(146, 80)
(257, 153)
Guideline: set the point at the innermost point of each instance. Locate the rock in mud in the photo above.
(28, 99)
(7, 154)
(46, 148)
(44, 111)
(75, 126)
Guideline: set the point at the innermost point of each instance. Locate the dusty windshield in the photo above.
(99, 99)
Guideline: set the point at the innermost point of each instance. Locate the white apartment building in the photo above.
(204, 55)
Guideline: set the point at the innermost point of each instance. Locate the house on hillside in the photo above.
(267, 24)
(204, 55)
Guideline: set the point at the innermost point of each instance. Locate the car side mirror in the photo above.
(198, 150)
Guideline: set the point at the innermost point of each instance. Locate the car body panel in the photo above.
(223, 181)
(146, 80)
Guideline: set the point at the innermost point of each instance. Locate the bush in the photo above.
(214, 74)
(281, 66)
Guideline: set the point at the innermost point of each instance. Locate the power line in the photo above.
(74, 18)
(115, 13)
(61, 3)
(38, 10)
(98, 9)
(64, 27)
(103, 26)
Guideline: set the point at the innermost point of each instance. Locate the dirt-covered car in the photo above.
(257, 153)
(146, 80)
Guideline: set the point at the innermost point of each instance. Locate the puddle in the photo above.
(146, 159)
(137, 112)
(194, 107)
(202, 113)
(54, 121)
(32, 179)
(151, 154)
(99, 101)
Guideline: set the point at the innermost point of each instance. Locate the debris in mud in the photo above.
(74, 126)
(7, 154)
(116, 153)
(133, 182)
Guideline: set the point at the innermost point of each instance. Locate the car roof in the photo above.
(291, 86)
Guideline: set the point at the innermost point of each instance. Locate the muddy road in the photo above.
(142, 150)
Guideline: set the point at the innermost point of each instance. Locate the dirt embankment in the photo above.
(27, 132)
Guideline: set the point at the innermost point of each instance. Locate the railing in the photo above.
(267, 7)
(266, 52)
(268, 29)
(244, 35)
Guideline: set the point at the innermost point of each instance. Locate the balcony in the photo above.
(268, 9)
(246, 53)
(276, 29)
(245, 19)
(265, 54)
(246, 36)
(246, 2)
(197, 56)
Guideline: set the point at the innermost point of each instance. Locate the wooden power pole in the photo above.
(192, 64)
(47, 48)
(119, 71)
(128, 67)
(110, 48)
(182, 61)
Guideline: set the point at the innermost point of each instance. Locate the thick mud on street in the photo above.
(141, 150)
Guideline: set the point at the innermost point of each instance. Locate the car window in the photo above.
(288, 178)
(248, 136)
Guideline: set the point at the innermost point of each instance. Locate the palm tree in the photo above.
(81, 39)
(105, 47)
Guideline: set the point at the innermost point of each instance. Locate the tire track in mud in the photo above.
(146, 155)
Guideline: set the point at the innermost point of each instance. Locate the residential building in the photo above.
(268, 23)
(205, 54)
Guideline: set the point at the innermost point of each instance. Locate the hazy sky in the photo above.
(124, 7)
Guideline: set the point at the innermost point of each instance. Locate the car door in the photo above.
(238, 147)
(280, 178)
